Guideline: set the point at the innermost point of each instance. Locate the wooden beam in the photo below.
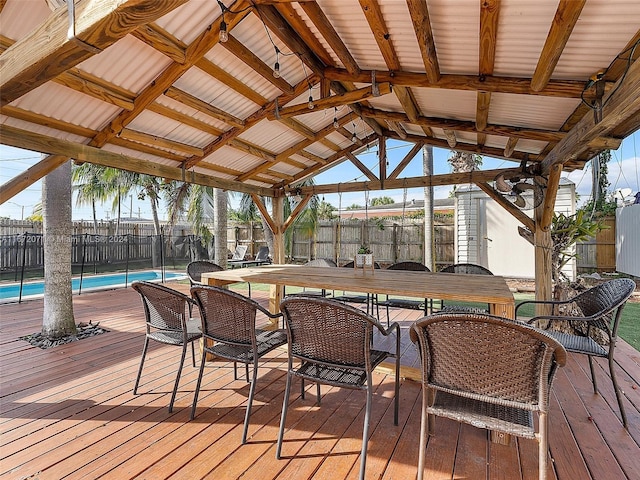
(361, 166)
(396, 127)
(46, 51)
(145, 148)
(341, 88)
(564, 21)
(489, 83)
(265, 213)
(161, 142)
(296, 211)
(550, 193)
(39, 119)
(489, 15)
(324, 26)
(511, 146)
(202, 106)
(410, 182)
(162, 41)
(382, 159)
(619, 105)
(27, 178)
(373, 14)
(238, 49)
(405, 161)
(278, 25)
(19, 138)
(422, 27)
(331, 102)
(450, 135)
(482, 110)
(543, 248)
(181, 117)
(507, 205)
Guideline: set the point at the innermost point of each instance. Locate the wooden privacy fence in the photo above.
(598, 254)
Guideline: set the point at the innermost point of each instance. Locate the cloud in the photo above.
(621, 174)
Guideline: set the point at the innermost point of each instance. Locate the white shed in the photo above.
(487, 235)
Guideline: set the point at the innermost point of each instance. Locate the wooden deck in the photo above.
(69, 412)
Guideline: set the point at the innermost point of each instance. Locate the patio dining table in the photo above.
(491, 289)
(486, 289)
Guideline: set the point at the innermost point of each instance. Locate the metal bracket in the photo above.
(71, 32)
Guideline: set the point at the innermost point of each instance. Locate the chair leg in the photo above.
(195, 395)
(318, 397)
(424, 433)
(593, 376)
(144, 352)
(623, 413)
(365, 430)
(285, 406)
(543, 446)
(175, 387)
(193, 354)
(252, 391)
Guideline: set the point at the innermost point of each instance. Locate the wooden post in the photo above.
(543, 246)
(276, 292)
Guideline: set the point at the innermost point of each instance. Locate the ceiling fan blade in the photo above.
(522, 186)
(501, 184)
(520, 201)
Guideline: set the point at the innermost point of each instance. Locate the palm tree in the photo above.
(89, 182)
(57, 319)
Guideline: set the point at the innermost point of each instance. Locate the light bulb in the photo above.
(335, 123)
(276, 70)
(224, 36)
(354, 138)
(311, 105)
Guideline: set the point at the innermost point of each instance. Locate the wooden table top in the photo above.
(448, 286)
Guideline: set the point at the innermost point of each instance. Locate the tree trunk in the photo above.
(220, 202)
(427, 168)
(95, 217)
(58, 320)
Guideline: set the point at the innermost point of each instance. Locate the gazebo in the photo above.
(256, 96)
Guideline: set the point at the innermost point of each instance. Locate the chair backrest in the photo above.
(226, 316)
(468, 268)
(321, 262)
(328, 331)
(197, 268)
(165, 308)
(263, 254)
(488, 358)
(604, 298)
(376, 265)
(239, 254)
(413, 266)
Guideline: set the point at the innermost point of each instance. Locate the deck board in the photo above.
(69, 412)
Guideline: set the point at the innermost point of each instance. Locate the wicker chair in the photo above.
(229, 330)
(405, 302)
(317, 262)
(197, 268)
(167, 318)
(487, 371)
(370, 300)
(468, 269)
(331, 344)
(600, 310)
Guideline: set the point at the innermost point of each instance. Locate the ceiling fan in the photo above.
(524, 192)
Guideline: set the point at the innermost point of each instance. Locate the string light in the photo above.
(224, 35)
(276, 67)
(336, 125)
(311, 105)
(354, 137)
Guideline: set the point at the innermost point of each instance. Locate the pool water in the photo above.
(98, 282)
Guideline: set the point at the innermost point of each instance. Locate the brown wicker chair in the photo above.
(196, 268)
(167, 318)
(331, 344)
(406, 302)
(487, 371)
(600, 310)
(468, 269)
(229, 330)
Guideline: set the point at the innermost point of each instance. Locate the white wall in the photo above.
(628, 240)
(487, 235)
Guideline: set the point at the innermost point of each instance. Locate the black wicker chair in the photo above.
(599, 314)
(317, 262)
(229, 331)
(407, 303)
(329, 343)
(167, 318)
(486, 371)
(469, 269)
(196, 268)
(369, 299)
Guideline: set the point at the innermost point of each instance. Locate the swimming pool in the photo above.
(11, 292)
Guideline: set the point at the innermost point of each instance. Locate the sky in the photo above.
(624, 174)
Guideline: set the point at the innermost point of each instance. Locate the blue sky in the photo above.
(624, 173)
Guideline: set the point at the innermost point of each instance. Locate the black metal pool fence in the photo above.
(22, 255)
